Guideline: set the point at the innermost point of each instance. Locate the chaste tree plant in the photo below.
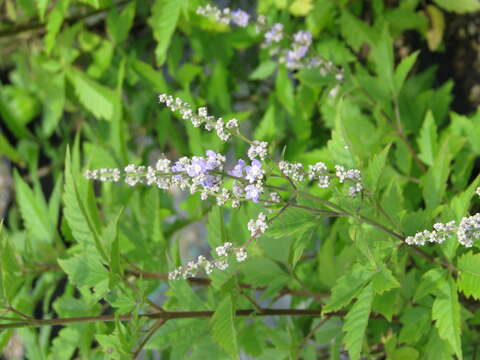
(279, 180)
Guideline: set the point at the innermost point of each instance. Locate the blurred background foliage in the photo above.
(86, 73)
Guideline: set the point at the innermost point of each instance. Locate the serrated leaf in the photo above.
(339, 144)
(446, 314)
(383, 280)
(427, 141)
(375, 169)
(356, 322)
(34, 212)
(403, 69)
(291, 222)
(469, 274)
(216, 227)
(163, 21)
(84, 269)
(9, 269)
(119, 24)
(347, 287)
(77, 215)
(96, 98)
(54, 23)
(434, 182)
(223, 327)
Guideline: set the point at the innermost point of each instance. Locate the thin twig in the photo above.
(309, 335)
(152, 331)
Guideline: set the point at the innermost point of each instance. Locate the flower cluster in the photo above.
(294, 171)
(204, 174)
(294, 53)
(351, 175)
(466, 232)
(103, 174)
(223, 130)
(192, 268)
(320, 173)
(258, 226)
(258, 148)
(226, 16)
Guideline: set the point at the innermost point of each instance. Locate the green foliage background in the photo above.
(79, 86)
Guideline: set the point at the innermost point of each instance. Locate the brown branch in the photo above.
(166, 315)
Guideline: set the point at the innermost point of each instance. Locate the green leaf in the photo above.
(268, 125)
(347, 288)
(223, 327)
(54, 23)
(356, 322)
(216, 227)
(459, 6)
(469, 274)
(77, 215)
(9, 269)
(339, 144)
(427, 141)
(382, 54)
(416, 322)
(434, 183)
(284, 90)
(53, 102)
(150, 75)
(8, 150)
(11, 121)
(292, 221)
(375, 169)
(119, 24)
(163, 21)
(383, 280)
(42, 8)
(96, 98)
(85, 269)
(34, 212)
(437, 348)
(264, 70)
(446, 314)
(403, 69)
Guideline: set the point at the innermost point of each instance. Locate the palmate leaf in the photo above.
(223, 327)
(77, 215)
(347, 287)
(446, 313)
(356, 322)
(469, 279)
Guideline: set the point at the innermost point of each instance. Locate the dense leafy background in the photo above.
(84, 75)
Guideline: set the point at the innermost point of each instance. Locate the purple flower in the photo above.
(253, 192)
(275, 34)
(197, 167)
(303, 38)
(213, 162)
(237, 171)
(254, 172)
(240, 18)
(210, 181)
